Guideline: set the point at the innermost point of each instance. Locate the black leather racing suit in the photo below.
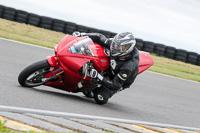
(123, 71)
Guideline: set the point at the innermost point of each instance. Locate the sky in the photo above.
(171, 22)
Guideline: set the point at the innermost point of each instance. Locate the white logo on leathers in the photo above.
(113, 64)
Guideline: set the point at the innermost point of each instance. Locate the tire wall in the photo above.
(67, 27)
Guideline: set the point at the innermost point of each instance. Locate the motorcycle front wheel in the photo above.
(33, 75)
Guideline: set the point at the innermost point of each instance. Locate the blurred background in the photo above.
(171, 22)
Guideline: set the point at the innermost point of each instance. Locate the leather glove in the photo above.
(76, 33)
(94, 74)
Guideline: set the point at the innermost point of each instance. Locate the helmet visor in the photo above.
(117, 49)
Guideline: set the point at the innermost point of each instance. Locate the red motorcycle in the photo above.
(69, 69)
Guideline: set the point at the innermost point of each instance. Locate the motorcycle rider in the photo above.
(124, 62)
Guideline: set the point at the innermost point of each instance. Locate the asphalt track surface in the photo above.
(152, 98)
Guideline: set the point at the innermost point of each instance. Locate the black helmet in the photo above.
(122, 44)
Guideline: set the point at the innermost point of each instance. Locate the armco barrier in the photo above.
(69, 27)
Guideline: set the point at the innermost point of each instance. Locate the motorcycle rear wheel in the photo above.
(32, 75)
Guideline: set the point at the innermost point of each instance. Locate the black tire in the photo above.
(112, 34)
(9, 13)
(69, 31)
(170, 52)
(198, 61)
(20, 20)
(61, 25)
(160, 53)
(93, 30)
(45, 26)
(192, 55)
(139, 40)
(139, 45)
(70, 27)
(148, 46)
(82, 28)
(71, 24)
(58, 23)
(59, 29)
(170, 56)
(32, 69)
(1, 10)
(148, 50)
(180, 58)
(159, 46)
(160, 49)
(8, 17)
(46, 22)
(21, 16)
(192, 61)
(34, 23)
(192, 58)
(181, 52)
(33, 19)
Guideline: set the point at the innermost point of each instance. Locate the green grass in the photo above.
(175, 68)
(47, 38)
(6, 130)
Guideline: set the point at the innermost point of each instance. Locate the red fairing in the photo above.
(52, 60)
(146, 61)
(101, 63)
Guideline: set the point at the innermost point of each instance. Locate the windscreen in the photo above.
(83, 47)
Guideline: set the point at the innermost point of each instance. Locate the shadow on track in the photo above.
(81, 99)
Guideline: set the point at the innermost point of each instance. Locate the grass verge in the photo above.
(42, 37)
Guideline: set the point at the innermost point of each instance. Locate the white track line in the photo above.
(52, 49)
(63, 114)
(173, 77)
